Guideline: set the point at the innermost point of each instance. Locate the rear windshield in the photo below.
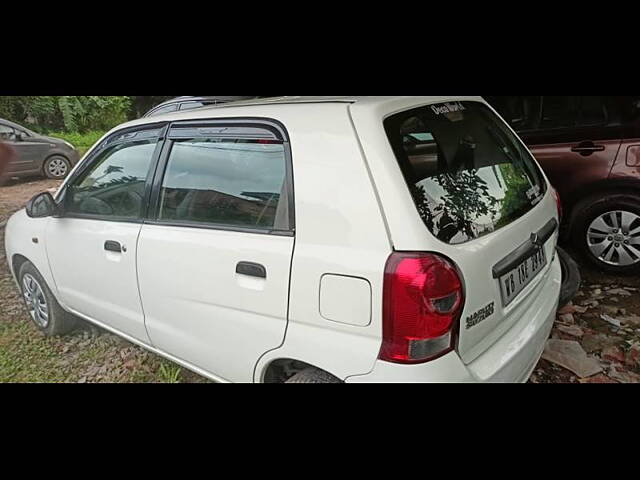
(468, 174)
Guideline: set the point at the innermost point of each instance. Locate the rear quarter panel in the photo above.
(340, 231)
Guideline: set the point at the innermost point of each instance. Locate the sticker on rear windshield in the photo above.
(533, 194)
(451, 107)
(482, 314)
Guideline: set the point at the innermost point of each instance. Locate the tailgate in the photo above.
(482, 201)
(491, 261)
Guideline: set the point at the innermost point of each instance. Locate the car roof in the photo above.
(262, 106)
(198, 99)
(12, 124)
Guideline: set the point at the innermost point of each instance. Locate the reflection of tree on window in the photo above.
(466, 171)
(467, 197)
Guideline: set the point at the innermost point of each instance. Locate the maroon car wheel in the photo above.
(607, 231)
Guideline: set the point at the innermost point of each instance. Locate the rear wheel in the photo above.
(57, 167)
(313, 375)
(606, 230)
(44, 310)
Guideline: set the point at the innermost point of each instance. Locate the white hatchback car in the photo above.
(300, 239)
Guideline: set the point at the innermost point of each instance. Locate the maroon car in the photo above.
(589, 147)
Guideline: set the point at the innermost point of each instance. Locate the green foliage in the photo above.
(169, 373)
(516, 185)
(66, 113)
(79, 140)
(466, 198)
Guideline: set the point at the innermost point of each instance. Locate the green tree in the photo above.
(67, 113)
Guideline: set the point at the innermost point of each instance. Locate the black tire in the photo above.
(59, 321)
(53, 167)
(589, 210)
(571, 278)
(313, 375)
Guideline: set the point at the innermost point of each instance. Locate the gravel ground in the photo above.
(596, 339)
(604, 321)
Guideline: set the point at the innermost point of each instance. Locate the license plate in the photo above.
(513, 282)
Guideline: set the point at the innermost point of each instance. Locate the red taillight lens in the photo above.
(423, 299)
(558, 203)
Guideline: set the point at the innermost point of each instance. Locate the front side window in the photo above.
(114, 184)
(468, 174)
(225, 182)
(7, 133)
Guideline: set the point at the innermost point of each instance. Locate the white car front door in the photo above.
(92, 247)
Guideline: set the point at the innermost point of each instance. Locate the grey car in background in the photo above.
(189, 103)
(37, 154)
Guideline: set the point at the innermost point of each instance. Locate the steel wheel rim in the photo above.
(614, 238)
(57, 167)
(35, 300)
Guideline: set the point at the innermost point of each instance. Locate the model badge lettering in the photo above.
(480, 315)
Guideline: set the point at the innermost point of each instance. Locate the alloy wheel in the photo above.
(614, 238)
(36, 301)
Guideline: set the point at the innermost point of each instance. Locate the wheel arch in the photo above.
(17, 260)
(279, 369)
(594, 191)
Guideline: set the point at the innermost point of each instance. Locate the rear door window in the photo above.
(521, 112)
(559, 112)
(226, 182)
(467, 172)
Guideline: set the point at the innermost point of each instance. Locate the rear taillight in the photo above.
(423, 299)
(556, 195)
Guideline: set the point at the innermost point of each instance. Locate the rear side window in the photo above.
(226, 182)
(468, 174)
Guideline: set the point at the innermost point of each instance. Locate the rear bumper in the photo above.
(511, 358)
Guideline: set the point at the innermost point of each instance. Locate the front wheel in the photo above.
(606, 230)
(44, 310)
(57, 167)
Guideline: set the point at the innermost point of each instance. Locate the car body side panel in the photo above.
(19, 234)
(339, 231)
(569, 172)
(627, 165)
